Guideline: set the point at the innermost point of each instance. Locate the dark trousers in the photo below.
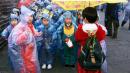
(112, 25)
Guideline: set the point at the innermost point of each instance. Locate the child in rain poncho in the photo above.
(13, 22)
(48, 36)
(22, 48)
(67, 32)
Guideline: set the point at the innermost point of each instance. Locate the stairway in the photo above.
(5, 8)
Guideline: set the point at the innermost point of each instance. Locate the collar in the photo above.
(89, 27)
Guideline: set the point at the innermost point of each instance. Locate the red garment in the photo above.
(27, 55)
(24, 2)
(81, 38)
(32, 28)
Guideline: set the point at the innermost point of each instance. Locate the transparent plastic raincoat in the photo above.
(22, 48)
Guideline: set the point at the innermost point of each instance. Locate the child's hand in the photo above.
(38, 34)
(69, 42)
(67, 39)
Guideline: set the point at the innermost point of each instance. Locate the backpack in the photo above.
(91, 56)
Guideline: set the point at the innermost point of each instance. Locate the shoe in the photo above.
(66, 65)
(49, 66)
(44, 66)
(123, 23)
(73, 66)
(114, 36)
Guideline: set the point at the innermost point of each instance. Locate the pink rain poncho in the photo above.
(22, 46)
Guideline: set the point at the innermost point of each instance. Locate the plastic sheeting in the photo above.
(22, 50)
(104, 48)
(7, 31)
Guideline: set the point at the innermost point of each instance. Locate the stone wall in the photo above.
(5, 8)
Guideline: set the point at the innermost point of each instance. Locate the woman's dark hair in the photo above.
(90, 14)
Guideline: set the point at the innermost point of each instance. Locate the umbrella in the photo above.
(81, 4)
(77, 4)
(116, 1)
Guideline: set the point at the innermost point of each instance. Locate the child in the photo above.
(67, 32)
(48, 36)
(89, 23)
(6, 32)
(13, 22)
(22, 46)
(79, 18)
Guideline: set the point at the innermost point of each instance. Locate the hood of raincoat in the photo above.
(13, 16)
(67, 14)
(25, 13)
(46, 16)
(15, 10)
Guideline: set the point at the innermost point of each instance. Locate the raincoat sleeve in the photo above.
(40, 28)
(104, 48)
(54, 35)
(37, 23)
(60, 21)
(60, 29)
(36, 32)
(5, 33)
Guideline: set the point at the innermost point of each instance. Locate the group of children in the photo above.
(33, 41)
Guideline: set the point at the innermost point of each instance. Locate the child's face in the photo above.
(30, 19)
(79, 16)
(14, 22)
(45, 21)
(68, 20)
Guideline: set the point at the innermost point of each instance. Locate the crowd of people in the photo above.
(38, 31)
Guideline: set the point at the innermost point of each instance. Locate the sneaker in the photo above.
(49, 66)
(44, 66)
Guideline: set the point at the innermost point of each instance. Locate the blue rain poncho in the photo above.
(46, 41)
(6, 32)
